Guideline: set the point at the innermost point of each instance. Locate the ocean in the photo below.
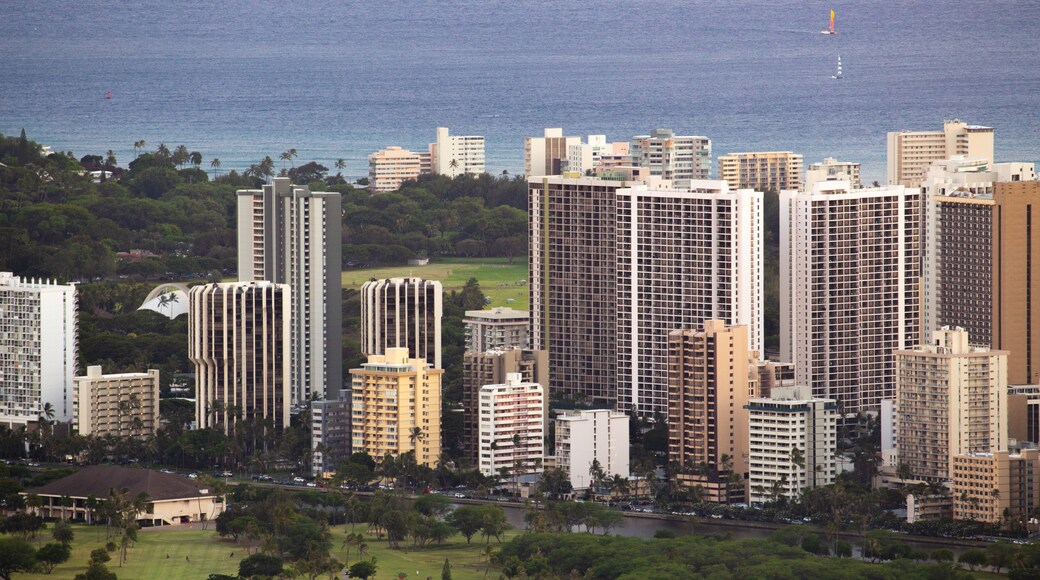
(240, 79)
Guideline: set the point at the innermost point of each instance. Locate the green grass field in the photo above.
(195, 554)
(500, 280)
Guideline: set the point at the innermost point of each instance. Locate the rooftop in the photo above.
(99, 480)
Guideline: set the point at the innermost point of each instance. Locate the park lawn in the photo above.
(467, 560)
(208, 554)
(498, 279)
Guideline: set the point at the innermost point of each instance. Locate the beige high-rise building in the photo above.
(996, 487)
(402, 312)
(547, 155)
(849, 288)
(708, 391)
(389, 168)
(396, 407)
(491, 368)
(831, 169)
(911, 152)
(239, 343)
(951, 399)
(1016, 280)
(762, 171)
(288, 234)
(122, 404)
(511, 427)
(496, 329)
(791, 443)
(684, 257)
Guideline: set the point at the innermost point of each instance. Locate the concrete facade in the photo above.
(673, 157)
(583, 436)
(951, 399)
(396, 407)
(911, 152)
(330, 432)
(511, 431)
(708, 392)
(455, 155)
(121, 404)
(389, 168)
(288, 234)
(1016, 283)
(239, 337)
(496, 329)
(38, 346)
(996, 487)
(402, 312)
(831, 169)
(762, 171)
(547, 155)
(849, 288)
(790, 419)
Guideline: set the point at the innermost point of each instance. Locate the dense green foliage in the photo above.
(610, 557)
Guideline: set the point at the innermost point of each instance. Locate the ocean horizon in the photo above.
(239, 80)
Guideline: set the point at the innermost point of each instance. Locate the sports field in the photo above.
(174, 554)
(499, 280)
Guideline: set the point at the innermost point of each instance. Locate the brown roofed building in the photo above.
(172, 499)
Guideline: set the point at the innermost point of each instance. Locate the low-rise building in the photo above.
(996, 487)
(920, 508)
(122, 405)
(512, 427)
(791, 443)
(585, 436)
(172, 499)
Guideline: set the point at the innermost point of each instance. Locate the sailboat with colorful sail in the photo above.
(830, 28)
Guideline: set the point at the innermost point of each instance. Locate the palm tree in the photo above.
(196, 158)
(163, 151)
(284, 157)
(619, 486)
(138, 145)
(181, 156)
(215, 164)
(110, 159)
(453, 164)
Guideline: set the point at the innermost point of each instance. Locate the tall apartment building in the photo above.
(951, 399)
(402, 312)
(547, 155)
(996, 487)
(491, 368)
(673, 157)
(573, 261)
(592, 435)
(585, 157)
(911, 152)
(396, 407)
(122, 404)
(389, 168)
(1023, 413)
(455, 155)
(770, 375)
(1016, 285)
(708, 392)
(831, 169)
(38, 332)
(512, 427)
(791, 443)
(496, 329)
(849, 280)
(288, 234)
(684, 257)
(330, 432)
(239, 339)
(762, 171)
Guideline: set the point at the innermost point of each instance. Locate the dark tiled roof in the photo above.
(99, 480)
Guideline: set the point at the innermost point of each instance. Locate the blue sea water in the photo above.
(240, 79)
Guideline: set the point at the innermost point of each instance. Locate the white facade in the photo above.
(790, 419)
(547, 155)
(405, 313)
(831, 169)
(587, 435)
(38, 333)
(911, 152)
(684, 257)
(496, 329)
(673, 157)
(288, 234)
(849, 288)
(454, 155)
(512, 427)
